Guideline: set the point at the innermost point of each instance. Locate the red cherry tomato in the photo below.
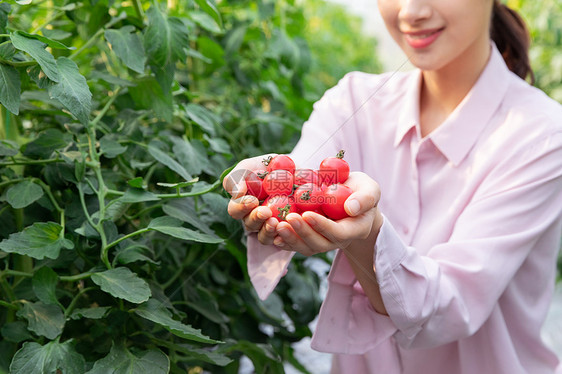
(254, 183)
(334, 169)
(280, 162)
(280, 206)
(303, 176)
(278, 182)
(335, 196)
(309, 196)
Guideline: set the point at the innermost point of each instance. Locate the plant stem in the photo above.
(84, 207)
(8, 305)
(106, 107)
(138, 8)
(72, 304)
(47, 189)
(17, 63)
(128, 236)
(88, 44)
(77, 277)
(30, 162)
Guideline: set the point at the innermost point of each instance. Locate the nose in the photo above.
(414, 11)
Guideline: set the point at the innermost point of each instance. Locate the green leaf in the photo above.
(132, 252)
(166, 38)
(205, 21)
(137, 182)
(8, 147)
(53, 357)
(136, 195)
(148, 94)
(7, 51)
(36, 49)
(23, 194)
(192, 155)
(43, 319)
(179, 185)
(184, 210)
(127, 45)
(44, 284)
(179, 38)
(123, 284)
(72, 90)
(202, 117)
(16, 332)
(122, 361)
(110, 148)
(90, 313)
(166, 160)
(210, 356)
(172, 226)
(10, 88)
(210, 8)
(157, 37)
(5, 10)
(154, 311)
(50, 42)
(40, 240)
(46, 143)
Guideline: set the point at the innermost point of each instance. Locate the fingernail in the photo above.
(353, 206)
(269, 228)
(278, 242)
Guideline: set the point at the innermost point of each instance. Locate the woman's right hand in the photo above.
(255, 218)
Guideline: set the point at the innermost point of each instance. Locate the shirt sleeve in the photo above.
(449, 293)
(321, 136)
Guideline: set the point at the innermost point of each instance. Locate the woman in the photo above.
(447, 263)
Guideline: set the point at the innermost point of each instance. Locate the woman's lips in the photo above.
(423, 38)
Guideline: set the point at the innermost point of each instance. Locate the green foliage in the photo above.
(118, 121)
(544, 19)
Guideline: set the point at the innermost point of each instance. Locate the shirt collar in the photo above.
(456, 136)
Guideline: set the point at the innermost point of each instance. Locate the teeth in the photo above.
(421, 36)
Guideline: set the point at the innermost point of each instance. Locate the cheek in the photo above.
(389, 10)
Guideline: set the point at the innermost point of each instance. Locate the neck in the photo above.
(442, 90)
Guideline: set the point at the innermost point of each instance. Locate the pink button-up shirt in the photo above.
(466, 257)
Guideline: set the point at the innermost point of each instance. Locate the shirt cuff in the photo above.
(347, 322)
(390, 253)
(266, 265)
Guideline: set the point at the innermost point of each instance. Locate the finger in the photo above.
(242, 206)
(257, 217)
(366, 194)
(358, 227)
(235, 182)
(267, 233)
(288, 239)
(342, 231)
(308, 236)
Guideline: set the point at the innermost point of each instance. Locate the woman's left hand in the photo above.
(313, 233)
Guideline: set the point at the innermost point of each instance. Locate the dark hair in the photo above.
(509, 32)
